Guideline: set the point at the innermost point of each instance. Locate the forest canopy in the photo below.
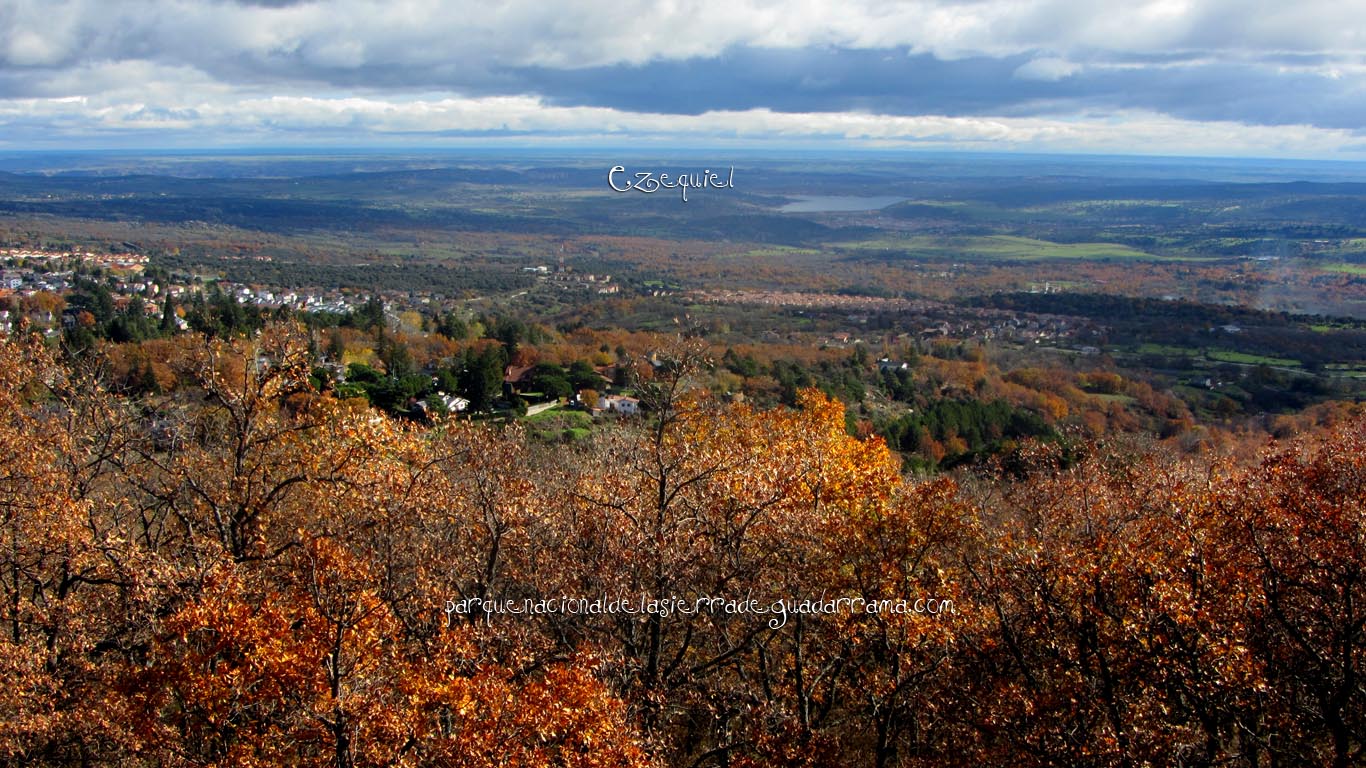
(255, 572)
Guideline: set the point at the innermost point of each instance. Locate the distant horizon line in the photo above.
(777, 152)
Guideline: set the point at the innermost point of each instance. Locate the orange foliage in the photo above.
(256, 575)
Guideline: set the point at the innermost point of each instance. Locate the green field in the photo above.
(1350, 269)
(1002, 247)
(1121, 399)
(1226, 356)
(783, 251)
(1166, 349)
(557, 424)
(1216, 355)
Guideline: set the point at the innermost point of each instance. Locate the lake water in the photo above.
(837, 203)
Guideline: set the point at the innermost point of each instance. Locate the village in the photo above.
(33, 285)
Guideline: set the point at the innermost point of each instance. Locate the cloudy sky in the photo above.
(1206, 77)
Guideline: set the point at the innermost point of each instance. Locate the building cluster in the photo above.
(30, 279)
(27, 272)
(809, 300)
(566, 278)
(969, 323)
(315, 300)
(26, 275)
(870, 317)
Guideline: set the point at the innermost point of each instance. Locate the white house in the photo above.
(619, 404)
(452, 403)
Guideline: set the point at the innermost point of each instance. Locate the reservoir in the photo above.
(837, 203)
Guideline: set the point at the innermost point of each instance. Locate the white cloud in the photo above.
(257, 117)
(1046, 69)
